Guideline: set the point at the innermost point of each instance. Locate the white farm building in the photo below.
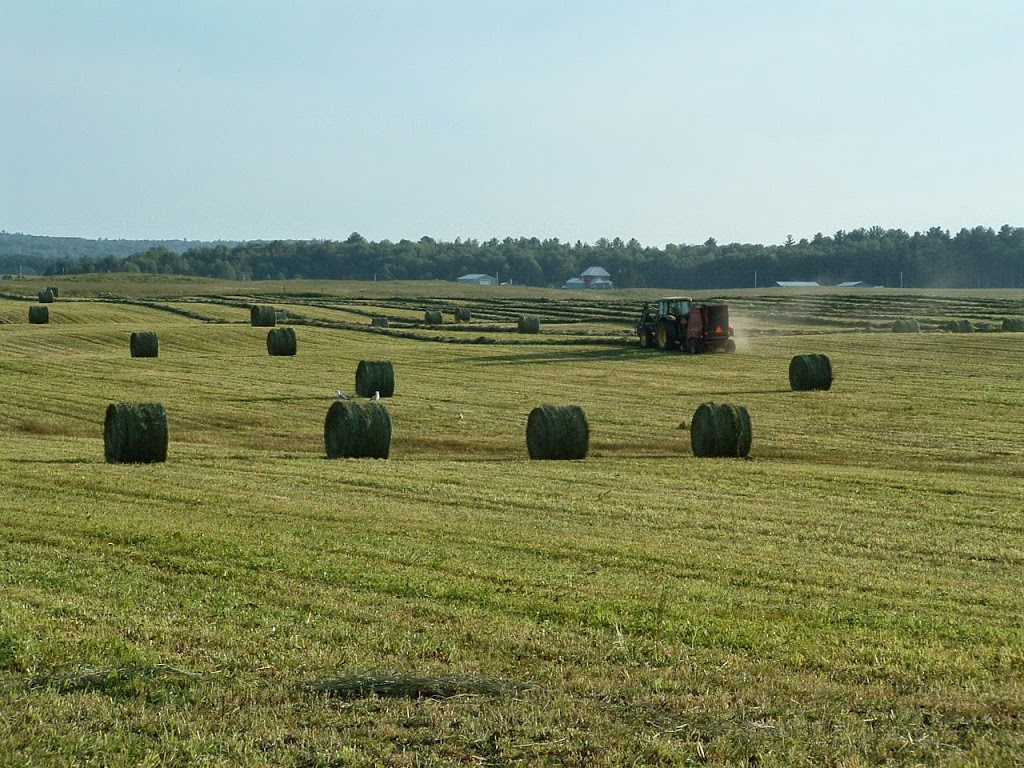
(477, 280)
(593, 277)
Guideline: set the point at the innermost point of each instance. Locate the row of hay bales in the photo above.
(280, 341)
(524, 324)
(909, 325)
(137, 433)
(960, 326)
(355, 429)
(436, 317)
(724, 429)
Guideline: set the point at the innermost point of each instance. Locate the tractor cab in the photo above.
(674, 306)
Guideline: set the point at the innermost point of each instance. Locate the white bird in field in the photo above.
(342, 395)
(459, 416)
(376, 396)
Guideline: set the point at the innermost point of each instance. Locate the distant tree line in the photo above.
(33, 254)
(973, 258)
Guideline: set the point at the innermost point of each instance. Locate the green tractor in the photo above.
(675, 322)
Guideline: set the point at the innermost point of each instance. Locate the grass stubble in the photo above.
(851, 596)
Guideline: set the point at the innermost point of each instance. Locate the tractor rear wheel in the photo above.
(666, 336)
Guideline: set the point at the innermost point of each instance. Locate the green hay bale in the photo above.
(904, 325)
(720, 430)
(557, 432)
(39, 315)
(462, 314)
(528, 324)
(262, 316)
(54, 290)
(961, 326)
(375, 376)
(379, 322)
(281, 341)
(808, 372)
(135, 433)
(145, 344)
(1013, 324)
(46, 296)
(357, 430)
(433, 317)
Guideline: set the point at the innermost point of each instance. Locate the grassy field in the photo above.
(850, 596)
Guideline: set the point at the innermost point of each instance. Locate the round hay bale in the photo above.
(262, 316)
(54, 290)
(433, 317)
(808, 372)
(135, 433)
(1013, 324)
(281, 341)
(38, 315)
(145, 344)
(379, 322)
(375, 376)
(528, 324)
(557, 432)
(720, 430)
(462, 314)
(357, 430)
(961, 326)
(46, 296)
(904, 325)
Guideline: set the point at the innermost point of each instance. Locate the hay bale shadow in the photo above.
(403, 686)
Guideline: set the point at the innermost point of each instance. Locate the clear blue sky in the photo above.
(740, 120)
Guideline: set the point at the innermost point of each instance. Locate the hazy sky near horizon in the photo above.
(741, 120)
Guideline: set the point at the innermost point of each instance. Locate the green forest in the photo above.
(972, 258)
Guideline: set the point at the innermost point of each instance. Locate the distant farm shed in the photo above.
(856, 284)
(478, 280)
(592, 278)
(797, 284)
(596, 277)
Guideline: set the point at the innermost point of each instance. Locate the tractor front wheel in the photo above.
(646, 339)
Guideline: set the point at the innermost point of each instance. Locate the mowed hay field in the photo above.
(851, 595)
